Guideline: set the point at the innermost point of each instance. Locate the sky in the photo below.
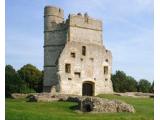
(127, 32)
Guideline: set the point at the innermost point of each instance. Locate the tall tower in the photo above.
(54, 41)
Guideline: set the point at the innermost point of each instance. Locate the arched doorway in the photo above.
(88, 89)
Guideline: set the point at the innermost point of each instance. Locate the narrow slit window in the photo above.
(105, 70)
(68, 68)
(84, 50)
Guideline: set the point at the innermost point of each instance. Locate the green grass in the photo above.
(21, 110)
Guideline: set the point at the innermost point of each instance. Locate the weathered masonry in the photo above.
(75, 60)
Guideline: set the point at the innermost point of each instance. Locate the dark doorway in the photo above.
(87, 89)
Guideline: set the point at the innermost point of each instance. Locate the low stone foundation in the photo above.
(86, 103)
(19, 95)
(136, 94)
(95, 104)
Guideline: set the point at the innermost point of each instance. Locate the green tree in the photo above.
(144, 86)
(13, 83)
(123, 83)
(131, 84)
(32, 76)
(152, 88)
(118, 80)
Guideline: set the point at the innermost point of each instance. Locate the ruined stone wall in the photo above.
(90, 68)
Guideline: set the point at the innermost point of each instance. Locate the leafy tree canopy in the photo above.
(32, 76)
(13, 83)
(144, 86)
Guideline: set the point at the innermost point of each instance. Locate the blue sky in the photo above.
(127, 31)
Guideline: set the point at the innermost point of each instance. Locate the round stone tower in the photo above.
(52, 15)
(54, 41)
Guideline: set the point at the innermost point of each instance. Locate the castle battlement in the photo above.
(84, 21)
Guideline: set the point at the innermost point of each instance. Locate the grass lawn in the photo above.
(21, 110)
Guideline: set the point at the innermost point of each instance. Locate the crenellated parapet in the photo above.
(84, 21)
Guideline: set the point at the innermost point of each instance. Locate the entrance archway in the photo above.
(88, 89)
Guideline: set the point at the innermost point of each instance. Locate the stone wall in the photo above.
(89, 66)
(87, 31)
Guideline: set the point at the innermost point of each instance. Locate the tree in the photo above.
(123, 83)
(13, 83)
(152, 88)
(32, 76)
(144, 86)
(118, 81)
(131, 84)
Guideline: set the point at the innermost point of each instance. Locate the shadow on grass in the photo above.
(74, 107)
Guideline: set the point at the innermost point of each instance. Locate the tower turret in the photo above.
(54, 41)
(52, 16)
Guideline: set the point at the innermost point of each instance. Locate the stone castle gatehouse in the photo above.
(75, 59)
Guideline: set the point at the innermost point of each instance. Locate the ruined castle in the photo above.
(75, 59)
